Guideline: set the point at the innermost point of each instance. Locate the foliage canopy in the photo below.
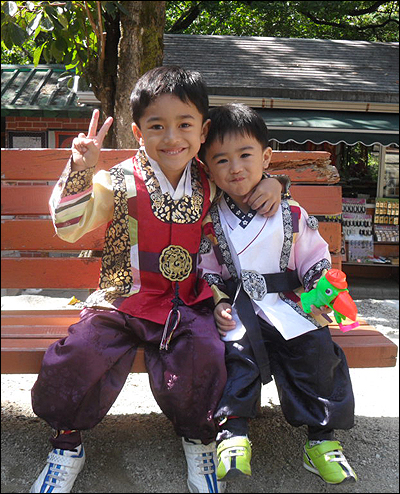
(353, 20)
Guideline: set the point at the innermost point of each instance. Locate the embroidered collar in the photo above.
(187, 209)
(244, 218)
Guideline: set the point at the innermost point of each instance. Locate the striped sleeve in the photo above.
(81, 202)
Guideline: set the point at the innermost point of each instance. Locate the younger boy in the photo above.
(257, 268)
(154, 204)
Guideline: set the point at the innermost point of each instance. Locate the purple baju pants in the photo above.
(82, 375)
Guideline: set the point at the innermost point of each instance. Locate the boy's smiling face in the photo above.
(172, 132)
(236, 165)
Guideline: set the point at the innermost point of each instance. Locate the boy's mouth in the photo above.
(172, 152)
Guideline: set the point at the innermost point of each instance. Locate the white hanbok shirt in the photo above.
(258, 247)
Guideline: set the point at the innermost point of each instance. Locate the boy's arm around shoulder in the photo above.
(266, 197)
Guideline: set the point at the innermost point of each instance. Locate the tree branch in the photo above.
(102, 39)
(345, 24)
(368, 10)
(186, 19)
(91, 20)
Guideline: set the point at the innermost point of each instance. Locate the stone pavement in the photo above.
(374, 288)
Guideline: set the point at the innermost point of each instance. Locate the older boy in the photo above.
(148, 294)
(257, 268)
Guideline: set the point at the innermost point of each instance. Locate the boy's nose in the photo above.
(236, 166)
(170, 135)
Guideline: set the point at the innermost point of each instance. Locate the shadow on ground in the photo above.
(141, 453)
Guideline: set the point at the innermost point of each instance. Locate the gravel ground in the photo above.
(135, 449)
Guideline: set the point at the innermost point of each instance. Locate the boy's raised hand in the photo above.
(86, 148)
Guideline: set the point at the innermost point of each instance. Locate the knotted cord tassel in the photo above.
(173, 320)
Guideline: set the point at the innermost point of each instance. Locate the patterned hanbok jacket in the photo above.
(152, 240)
(246, 249)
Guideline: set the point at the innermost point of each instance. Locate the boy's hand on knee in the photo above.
(223, 318)
(86, 148)
(265, 197)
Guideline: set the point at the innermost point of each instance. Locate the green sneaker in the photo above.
(234, 455)
(327, 460)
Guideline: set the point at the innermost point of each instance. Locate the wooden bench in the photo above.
(29, 243)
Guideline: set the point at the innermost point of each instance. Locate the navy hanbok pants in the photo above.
(311, 375)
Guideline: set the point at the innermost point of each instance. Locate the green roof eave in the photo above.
(49, 112)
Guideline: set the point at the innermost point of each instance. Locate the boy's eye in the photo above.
(221, 161)
(156, 127)
(185, 125)
(245, 155)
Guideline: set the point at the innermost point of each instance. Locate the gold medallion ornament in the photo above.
(175, 263)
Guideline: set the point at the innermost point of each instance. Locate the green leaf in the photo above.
(46, 24)
(61, 44)
(33, 25)
(63, 21)
(72, 65)
(17, 34)
(38, 53)
(10, 8)
(30, 6)
(55, 52)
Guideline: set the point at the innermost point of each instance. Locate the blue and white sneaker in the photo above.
(202, 466)
(61, 470)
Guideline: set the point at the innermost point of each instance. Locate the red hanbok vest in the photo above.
(167, 255)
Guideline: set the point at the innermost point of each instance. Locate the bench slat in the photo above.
(34, 199)
(48, 164)
(63, 317)
(64, 273)
(30, 330)
(25, 199)
(20, 360)
(41, 235)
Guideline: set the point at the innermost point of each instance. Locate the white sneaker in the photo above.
(61, 470)
(202, 471)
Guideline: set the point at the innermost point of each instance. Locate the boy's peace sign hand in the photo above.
(86, 148)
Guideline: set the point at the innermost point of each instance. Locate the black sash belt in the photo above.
(276, 282)
(282, 282)
(249, 318)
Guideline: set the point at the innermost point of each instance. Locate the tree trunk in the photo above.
(140, 49)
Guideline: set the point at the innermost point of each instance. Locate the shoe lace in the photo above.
(205, 463)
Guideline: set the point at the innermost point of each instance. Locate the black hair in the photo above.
(187, 85)
(233, 119)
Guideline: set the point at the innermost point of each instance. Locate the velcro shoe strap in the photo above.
(200, 448)
(234, 443)
(66, 461)
(326, 447)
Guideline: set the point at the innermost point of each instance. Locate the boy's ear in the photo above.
(267, 155)
(137, 134)
(204, 130)
(205, 168)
